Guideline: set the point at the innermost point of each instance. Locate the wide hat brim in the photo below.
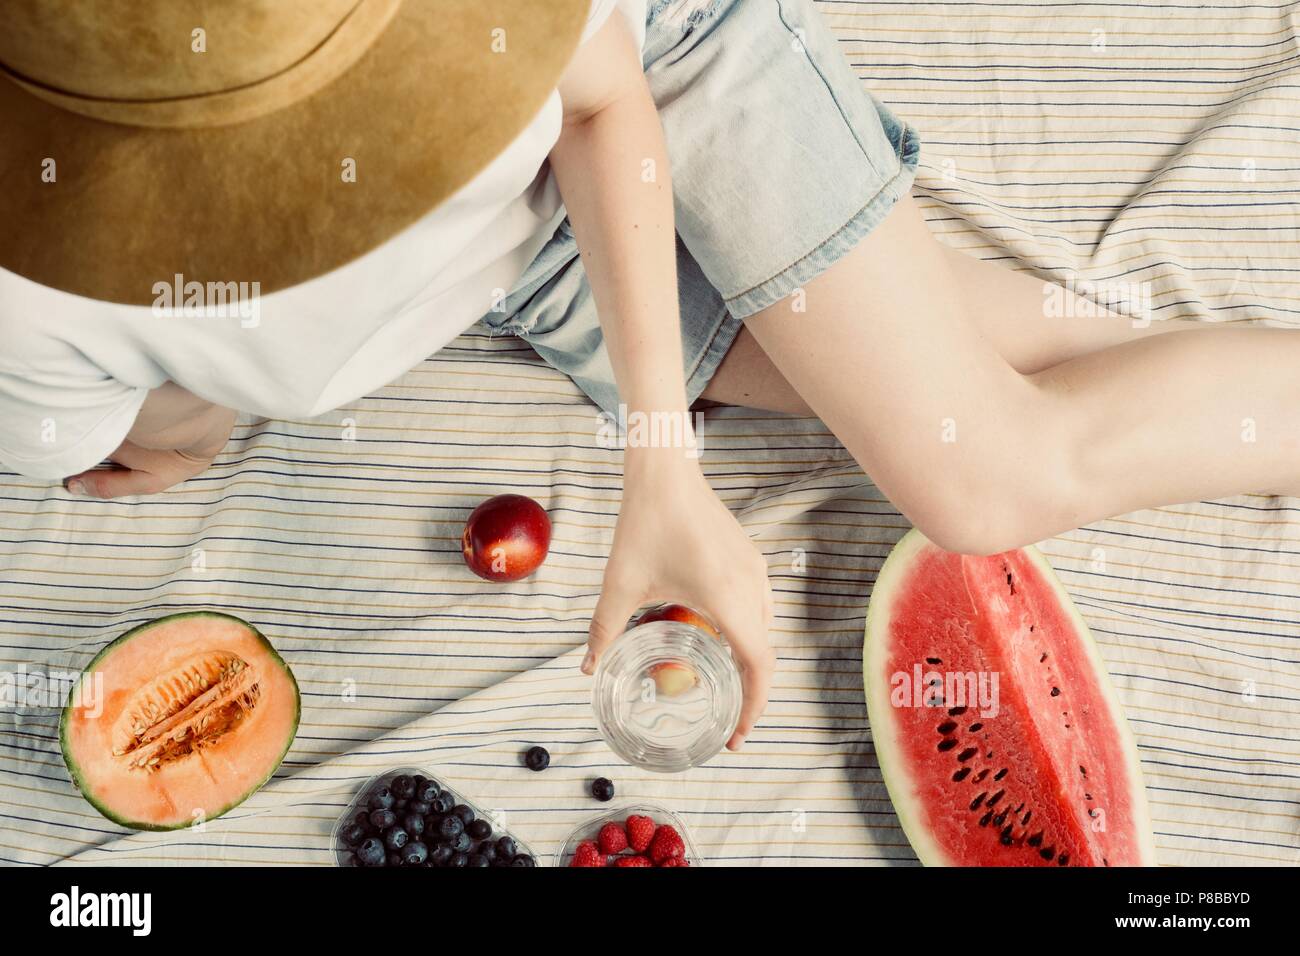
(272, 200)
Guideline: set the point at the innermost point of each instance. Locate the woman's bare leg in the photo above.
(1007, 306)
(892, 355)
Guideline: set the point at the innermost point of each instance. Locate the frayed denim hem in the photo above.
(838, 245)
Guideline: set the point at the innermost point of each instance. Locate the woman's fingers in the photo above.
(618, 599)
(113, 483)
(140, 471)
(747, 632)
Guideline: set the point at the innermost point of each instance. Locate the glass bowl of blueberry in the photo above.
(406, 817)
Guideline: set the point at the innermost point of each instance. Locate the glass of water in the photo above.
(666, 696)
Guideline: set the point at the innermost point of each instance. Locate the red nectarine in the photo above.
(672, 678)
(506, 538)
(681, 613)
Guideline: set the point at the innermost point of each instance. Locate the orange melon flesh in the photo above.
(165, 678)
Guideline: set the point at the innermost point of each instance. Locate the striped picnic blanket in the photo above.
(1145, 142)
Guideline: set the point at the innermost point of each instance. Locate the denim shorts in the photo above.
(781, 163)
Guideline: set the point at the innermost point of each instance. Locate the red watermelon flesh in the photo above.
(999, 736)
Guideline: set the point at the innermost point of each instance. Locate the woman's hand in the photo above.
(675, 541)
(148, 470)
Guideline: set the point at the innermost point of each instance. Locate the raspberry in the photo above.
(611, 839)
(640, 831)
(632, 861)
(666, 845)
(587, 854)
(675, 861)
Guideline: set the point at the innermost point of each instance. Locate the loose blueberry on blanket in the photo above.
(602, 788)
(537, 758)
(431, 829)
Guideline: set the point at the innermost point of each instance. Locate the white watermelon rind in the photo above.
(899, 783)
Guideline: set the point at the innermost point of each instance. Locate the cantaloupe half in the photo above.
(179, 720)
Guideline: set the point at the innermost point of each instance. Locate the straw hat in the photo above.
(251, 140)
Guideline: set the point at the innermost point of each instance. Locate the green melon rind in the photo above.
(75, 772)
(898, 782)
(893, 768)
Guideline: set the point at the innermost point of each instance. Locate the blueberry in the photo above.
(441, 854)
(506, 848)
(418, 806)
(362, 819)
(458, 860)
(400, 805)
(450, 827)
(371, 852)
(382, 819)
(444, 803)
(394, 858)
(428, 791)
(488, 850)
(477, 859)
(413, 824)
(602, 788)
(479, 829)
(354, 834)
(523, 859)
(414, 853)
(403, 787)
(465, 813)
(350, 859)
(537, 758)
(461, 843)
(395, 838)
(382, 799)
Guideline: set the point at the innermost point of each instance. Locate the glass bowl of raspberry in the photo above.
(630, 834)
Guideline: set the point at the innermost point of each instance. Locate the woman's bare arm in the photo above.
(674, 539)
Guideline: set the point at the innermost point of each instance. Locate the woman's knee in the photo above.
(1009, 479)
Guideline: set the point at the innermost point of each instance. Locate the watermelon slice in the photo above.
(999, 736)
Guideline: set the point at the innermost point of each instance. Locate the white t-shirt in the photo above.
(75, 371)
